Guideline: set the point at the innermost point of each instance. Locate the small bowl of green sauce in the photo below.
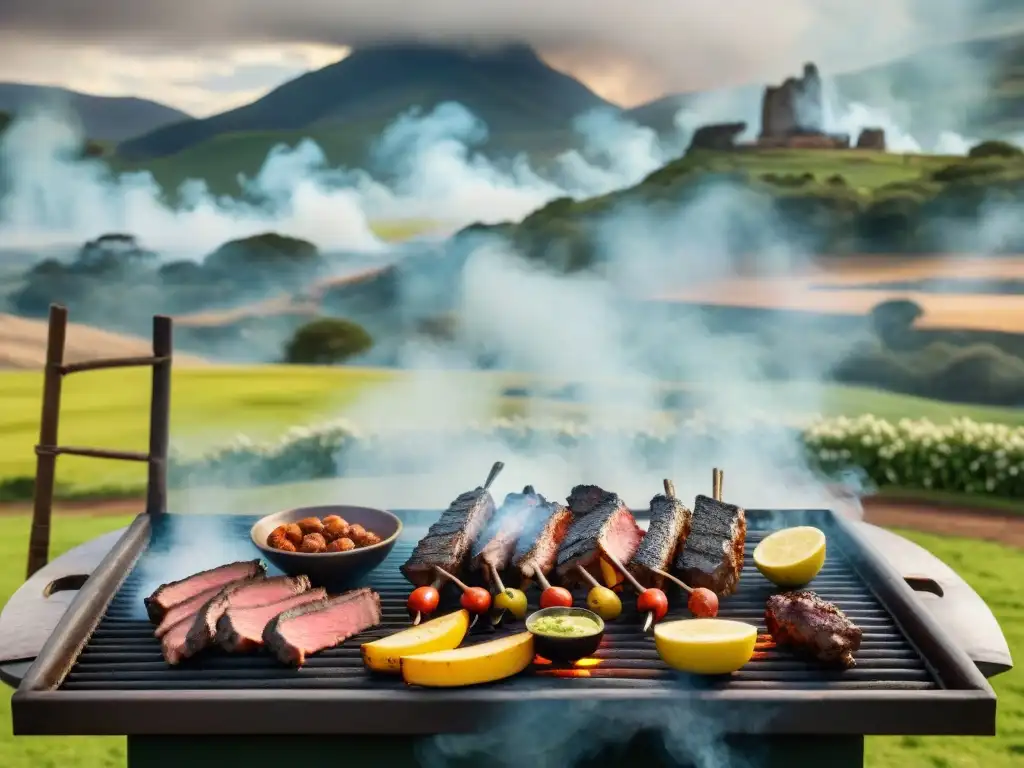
(565, 634)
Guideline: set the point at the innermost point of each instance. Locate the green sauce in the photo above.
(565, 626)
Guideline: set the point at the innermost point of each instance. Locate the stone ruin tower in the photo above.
(795, 107)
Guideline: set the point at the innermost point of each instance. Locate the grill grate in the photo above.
(123, 655)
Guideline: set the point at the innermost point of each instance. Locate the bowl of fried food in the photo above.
(335, 546)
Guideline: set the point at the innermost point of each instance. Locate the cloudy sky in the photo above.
(205, 56)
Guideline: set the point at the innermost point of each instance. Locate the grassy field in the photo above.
(995, 571)
(108, 409)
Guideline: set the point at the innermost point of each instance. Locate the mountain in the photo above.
(511, 89)
(103, 118)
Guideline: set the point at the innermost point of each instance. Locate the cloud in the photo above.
(685, 40)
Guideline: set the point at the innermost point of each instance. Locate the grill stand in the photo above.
(377, 751)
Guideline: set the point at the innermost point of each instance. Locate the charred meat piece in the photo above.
(804, 621)
(713, 554)
(203, 631)
(172, 644)
(545, 530)
(609, 527)
(307, 629)
(168, 595)
(584, 498)
(448, 540)
(666, 534)
(495, 547)
(240, 630)
(187, 609)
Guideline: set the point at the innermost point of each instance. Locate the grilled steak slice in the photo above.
(448, 541)
(666, 534)
(584, 498)
(713, 555)
(253, 592)
(804, 621)
(187, 609)
(314, 627)
(609, 527)
(537, 548)
(240, 630)
(172, 644)
(495, 547)
(168, 595)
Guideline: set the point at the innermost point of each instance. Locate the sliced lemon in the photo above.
(791, 557)
(705, 646)
(471, 664)
(441, 634)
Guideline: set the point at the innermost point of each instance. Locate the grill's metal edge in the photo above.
(940, 652)
(72, 632)
(39, 709)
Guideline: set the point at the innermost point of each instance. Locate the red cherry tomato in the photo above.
(556, 597)
(424, 600)
(703, 603)
(653, 601)
(476, 600)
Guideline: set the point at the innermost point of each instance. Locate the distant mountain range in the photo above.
(103, 118)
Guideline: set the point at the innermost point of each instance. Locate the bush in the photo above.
(327, 341)
(892, 320)
(995, 149)
(962, 457)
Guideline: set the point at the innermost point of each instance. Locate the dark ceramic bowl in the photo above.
(565, 649)
(331, 570)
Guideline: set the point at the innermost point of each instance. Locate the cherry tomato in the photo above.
(424, 600)
(476, 600)
(703, 603)
(653, 601)
(556, 597)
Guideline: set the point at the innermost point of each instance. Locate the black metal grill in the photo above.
(906, 679)
(123, 654)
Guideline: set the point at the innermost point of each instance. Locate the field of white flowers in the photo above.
(962, 457)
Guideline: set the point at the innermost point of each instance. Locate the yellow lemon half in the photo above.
(705, 646)
(440, 634)
(791, 557)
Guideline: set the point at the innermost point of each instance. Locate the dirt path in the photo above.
(928, 518)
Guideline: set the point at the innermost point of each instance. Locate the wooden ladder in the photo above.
(48, 450)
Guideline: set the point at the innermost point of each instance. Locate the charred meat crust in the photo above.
(449, 539)
(813, 626)
(583, 499)
(495, 546)
(537, 548)
(666, 534)
(167, 595)
(713, 555)
(275, 640)
(594, 532)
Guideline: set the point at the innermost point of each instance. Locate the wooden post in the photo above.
(46, 458)
(159, 417)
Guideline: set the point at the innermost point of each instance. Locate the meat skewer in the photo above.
(606, 528)
(804, 621)
(447, 543)
(493, 551)
(666, 535)
(713, 554)
(537, 550)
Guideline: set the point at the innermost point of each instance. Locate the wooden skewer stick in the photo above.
(437, 583)
(670, 488)
(541, 578)
(587, 576)
(673, 579)
(716, 484)
(640, 589)
(460, 584)
(496, 577)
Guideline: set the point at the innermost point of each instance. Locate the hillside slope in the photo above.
(510, 89)
(103, 118)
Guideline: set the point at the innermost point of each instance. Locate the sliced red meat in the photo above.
(167, 595)
(240, 630)
(314, 627)
(187, 609)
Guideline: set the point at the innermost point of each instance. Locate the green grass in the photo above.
(109, 409)
(995, 571)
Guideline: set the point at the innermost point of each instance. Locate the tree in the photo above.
(326, 341)
(892, 320)
(995, 149)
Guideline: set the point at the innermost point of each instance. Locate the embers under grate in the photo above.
(123, 655)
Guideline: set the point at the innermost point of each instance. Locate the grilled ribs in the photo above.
(537, 548)
(666, 534)
(168, 595)
(448, 540)
(804, 621)
(713, 554)
(606, 527)
(495, 547)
